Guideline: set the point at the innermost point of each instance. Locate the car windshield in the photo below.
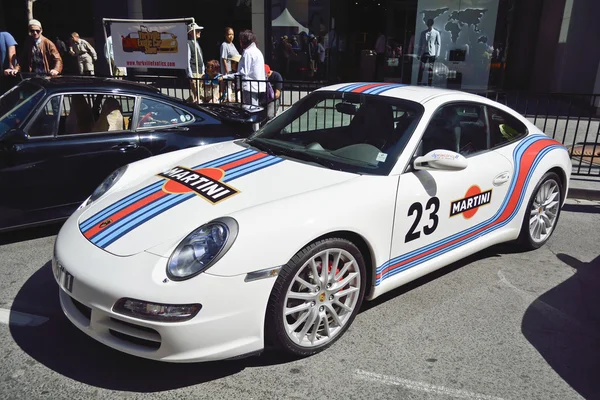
(17, 103)
(349, 132)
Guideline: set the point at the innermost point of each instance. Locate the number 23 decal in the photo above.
(433, 206)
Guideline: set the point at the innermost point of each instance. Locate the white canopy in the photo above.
(286, 19)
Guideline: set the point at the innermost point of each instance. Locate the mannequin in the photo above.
(430, 44)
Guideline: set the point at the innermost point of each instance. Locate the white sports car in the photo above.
(216, 252)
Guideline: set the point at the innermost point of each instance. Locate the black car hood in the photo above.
(234, 112)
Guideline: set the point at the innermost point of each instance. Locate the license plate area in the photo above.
(63, 277)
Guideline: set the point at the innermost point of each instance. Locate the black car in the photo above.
(61, 136)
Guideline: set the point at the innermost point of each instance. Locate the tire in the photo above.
(318, 305)
(548, 191)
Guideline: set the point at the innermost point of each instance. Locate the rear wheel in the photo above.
(542, 213)
(316, 297)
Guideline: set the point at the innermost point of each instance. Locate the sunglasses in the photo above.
(34, 31)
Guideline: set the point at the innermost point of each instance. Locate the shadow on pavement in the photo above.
(62, 347)
(582, 208)
(563, 325)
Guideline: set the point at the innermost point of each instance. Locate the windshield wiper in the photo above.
(301, 155)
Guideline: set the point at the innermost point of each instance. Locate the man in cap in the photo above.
(39, 55)
(195, 58)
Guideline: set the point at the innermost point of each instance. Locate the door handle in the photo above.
(125, 146)
(501, 178)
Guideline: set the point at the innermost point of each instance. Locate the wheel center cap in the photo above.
(322, 297)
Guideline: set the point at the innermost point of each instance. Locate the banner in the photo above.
(150, 45)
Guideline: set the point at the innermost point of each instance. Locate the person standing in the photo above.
(321, 59)
(251, 69)
(61, 46)
(85, 54)
(39, 55)
(276, 81)
(228, 51)
(8, 60)
(110, 58)
(380, 46)
(430, 43)
(195, 60)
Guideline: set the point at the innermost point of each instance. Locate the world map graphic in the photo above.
(457, 20)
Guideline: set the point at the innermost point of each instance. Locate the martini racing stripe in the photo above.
(152, 201)
(369, 88)
(126, 201)
(247, 169)
(134, 211)
(128, 224)
(527, 156)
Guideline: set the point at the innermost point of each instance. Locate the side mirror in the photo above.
(15, 136)
(441, 159)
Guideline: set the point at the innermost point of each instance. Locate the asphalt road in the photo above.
(499, 325)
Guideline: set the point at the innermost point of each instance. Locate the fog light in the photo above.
(155, 311)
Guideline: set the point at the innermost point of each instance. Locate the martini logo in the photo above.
(205, 182)
(468, 206)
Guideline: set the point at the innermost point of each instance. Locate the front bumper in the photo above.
(230, 323)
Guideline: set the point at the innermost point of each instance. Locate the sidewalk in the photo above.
(584, 187)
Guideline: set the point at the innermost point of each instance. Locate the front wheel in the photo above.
(542, 212)
(316, 297)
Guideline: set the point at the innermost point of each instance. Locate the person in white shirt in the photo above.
(321, 63)
(110, 58)
(430, 44)
(195, 61)
(251, 70)
(228, 51)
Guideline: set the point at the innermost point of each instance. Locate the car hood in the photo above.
(210, 183)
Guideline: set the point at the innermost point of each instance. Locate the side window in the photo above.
(154, 114)
(95, 113)
(504, 127)
(457, 127)
(46, 122)
(324, 115)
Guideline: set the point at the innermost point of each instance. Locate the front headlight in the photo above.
(105, 186)
(202, 248)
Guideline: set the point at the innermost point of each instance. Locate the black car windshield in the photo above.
(17, 103)
(350, 132)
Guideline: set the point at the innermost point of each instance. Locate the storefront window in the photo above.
(454, 43)
(299, 29)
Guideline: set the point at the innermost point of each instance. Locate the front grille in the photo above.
(129, 324)
(135, 340)
(83, 309)
(135, 334)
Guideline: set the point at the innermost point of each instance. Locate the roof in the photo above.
(91, 83)
(419, 94)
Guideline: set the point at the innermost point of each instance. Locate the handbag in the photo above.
(270, 93)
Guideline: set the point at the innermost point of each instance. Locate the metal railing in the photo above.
(572, 119)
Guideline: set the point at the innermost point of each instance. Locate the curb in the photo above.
(584, 194)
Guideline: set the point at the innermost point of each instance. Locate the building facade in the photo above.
(524, 45)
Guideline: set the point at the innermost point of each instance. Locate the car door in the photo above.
(86, 153)
(62, 162)
(438, 211)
